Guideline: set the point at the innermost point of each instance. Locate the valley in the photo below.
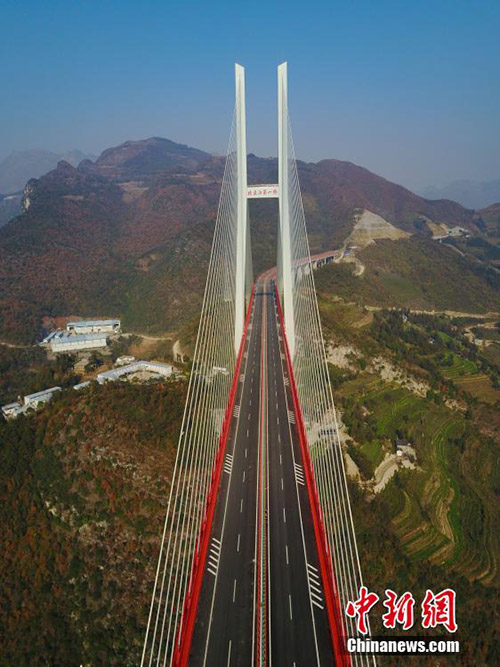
(411, 327)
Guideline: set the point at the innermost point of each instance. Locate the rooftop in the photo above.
(10, 406)
(63, 337)
(82, 385)
(44, 392)
(93, 323)
(151, 366)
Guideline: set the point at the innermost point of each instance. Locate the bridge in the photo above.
(258, 553)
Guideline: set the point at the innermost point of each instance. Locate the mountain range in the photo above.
(129, 234)
(10, 207)
(471, 194)
(18, 167)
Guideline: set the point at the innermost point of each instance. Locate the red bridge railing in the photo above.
(335, 620)
(186, 626)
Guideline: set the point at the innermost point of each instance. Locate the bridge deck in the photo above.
(296, 625)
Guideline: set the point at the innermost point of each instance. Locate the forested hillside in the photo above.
(84, 487)
(422, 383)
(129, 235)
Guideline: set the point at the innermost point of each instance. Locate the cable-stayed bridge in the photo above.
(258, 554)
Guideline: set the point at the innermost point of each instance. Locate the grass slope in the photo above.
(415, 273)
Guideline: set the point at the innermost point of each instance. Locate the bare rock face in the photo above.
(28, 190)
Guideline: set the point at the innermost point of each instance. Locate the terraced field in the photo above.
(492, 353)
(439, 523)
(459, 368)
(480, 387)
(440, 511)
(468, 377)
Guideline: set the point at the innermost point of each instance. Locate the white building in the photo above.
(34, 401)
(48, 338)
(145, 368)
(125, 359)
(94, 326)
(82, 385)
(63, 342)
(31, 402)
(12, 410)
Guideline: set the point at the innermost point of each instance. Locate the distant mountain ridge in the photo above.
(130, 234)
(471, 194)
(10, 206)
(149, 156)
(20, 166)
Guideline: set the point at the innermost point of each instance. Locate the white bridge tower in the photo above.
(242, 207)
(244, 192)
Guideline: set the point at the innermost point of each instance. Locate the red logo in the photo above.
(400, 610)
(439, 610)
(359, 608)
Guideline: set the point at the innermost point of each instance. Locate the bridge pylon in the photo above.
(242, 231)
(284, 263)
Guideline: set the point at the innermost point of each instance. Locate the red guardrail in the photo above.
(186, 628)
(337, 628)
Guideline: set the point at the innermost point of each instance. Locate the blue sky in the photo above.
(410, 90)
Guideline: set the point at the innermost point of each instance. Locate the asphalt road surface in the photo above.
(296, 631)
